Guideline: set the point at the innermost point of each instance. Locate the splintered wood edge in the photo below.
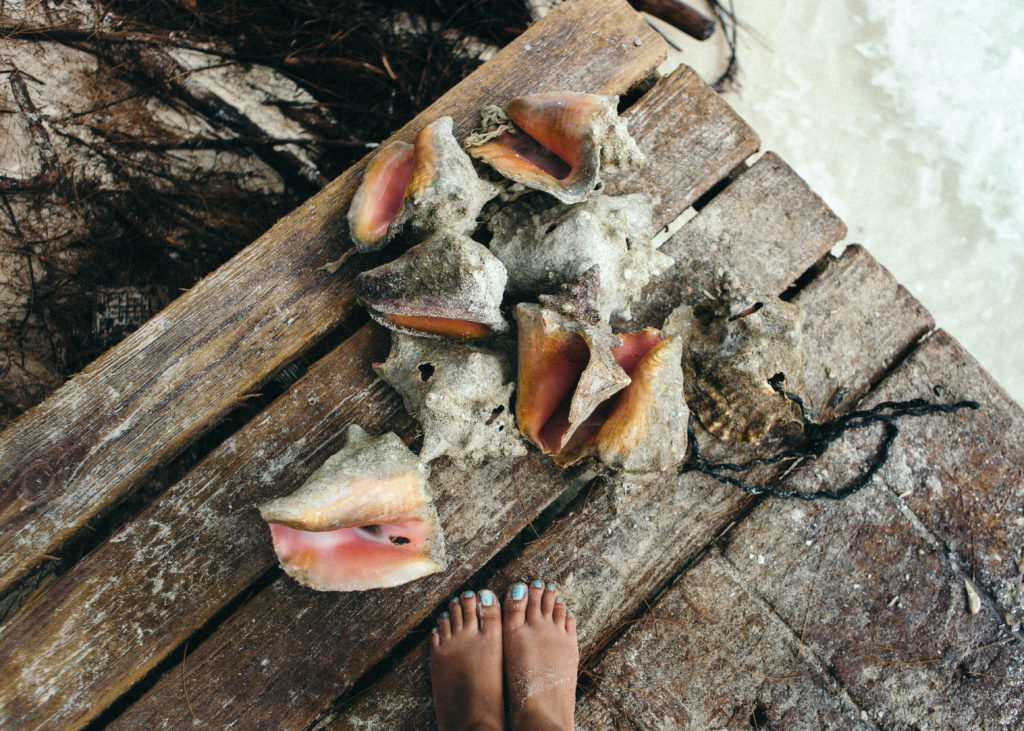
(142, 402)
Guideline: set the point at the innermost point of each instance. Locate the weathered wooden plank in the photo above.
(606, 556)
(101, 626)
(87, 446)
(769, 198)
(214, 571)
(869, 587)
(855, 301)
(691, 125)
(711, 654)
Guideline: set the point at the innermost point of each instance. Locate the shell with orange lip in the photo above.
(459, 394)
(448, 286)
(558, 142)
(642, 429)
(363, 520)
(566, 369)
(423, 188)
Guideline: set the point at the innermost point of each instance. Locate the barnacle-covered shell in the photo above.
(558, 142)
(380, 195)
(424, 189)
(566, 369)
(734, 347)
(447, 286)
(459, 394)
(444, 192)
(543, 246)
(364, 520)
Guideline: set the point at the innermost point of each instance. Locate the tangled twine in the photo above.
(819, 438)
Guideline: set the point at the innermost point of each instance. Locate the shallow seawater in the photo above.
(906, 118)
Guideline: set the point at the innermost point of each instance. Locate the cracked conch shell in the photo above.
(566, 369)
(364, 520)
(460, 396)
(558, 142)
(448, 286)
(543, 246)
(422, 188)
(642, 429)
(734, 348)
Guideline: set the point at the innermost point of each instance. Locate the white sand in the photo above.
(908, 119)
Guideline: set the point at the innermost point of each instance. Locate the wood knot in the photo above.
(36, 481)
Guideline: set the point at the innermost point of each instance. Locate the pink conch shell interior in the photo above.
(380, 196)
(356, 558)
(554, 149)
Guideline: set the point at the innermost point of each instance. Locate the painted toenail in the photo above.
(518, 591)
(433, 631)
(454, 599)
(444, 614)
(486, 598)
(551, 587)
(558, 600)
(538, 584)
(467, 595)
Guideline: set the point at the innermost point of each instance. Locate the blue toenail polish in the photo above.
(558, 600)
(538, 584)
(433, 631)
(518, 591)
(454, 599)
(486, 598)
(551, 587)
(444, 614)
(467, 594)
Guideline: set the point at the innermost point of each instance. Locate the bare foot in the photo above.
(465, 664)
(541, 658)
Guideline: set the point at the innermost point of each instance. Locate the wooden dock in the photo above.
(139, 589)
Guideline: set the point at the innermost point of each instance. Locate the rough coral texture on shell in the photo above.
(734, 347)
(459, 394)
(446, 286)
(544, 245)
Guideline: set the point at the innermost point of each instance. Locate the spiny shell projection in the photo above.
(364, 520)
(460, 396)
(447, 286)
(543, 246)
(733, 347)
(425, 188)
(560, 142)
(566, 369)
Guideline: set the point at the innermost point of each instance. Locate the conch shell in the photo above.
(566, 369)
(448, 286)
(543, 246)
(424, 189)
(460, 396)
(642, 428)
(558, 142)
(364, 520)
(734, 349)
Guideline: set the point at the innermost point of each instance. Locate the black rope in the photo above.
(819, 437)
